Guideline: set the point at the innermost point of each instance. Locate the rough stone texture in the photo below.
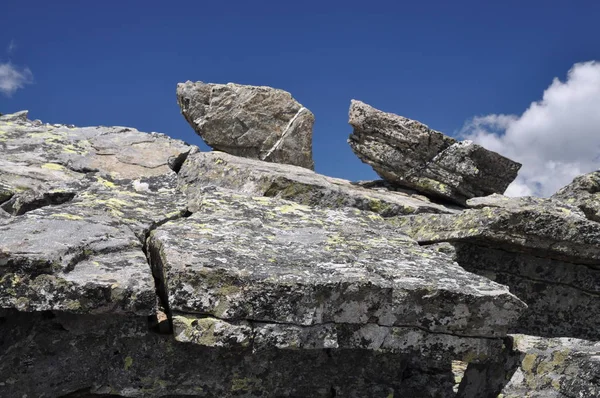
(111, 287)
(256, 178)
(542, 227)
(75, 219)
(561, 297)
(250, 121)
(277, 261)
(583, 192)
(52, 355)
(408, 153)
(558, 367)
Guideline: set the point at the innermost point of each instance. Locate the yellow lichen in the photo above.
(53, 166)
(128, 362)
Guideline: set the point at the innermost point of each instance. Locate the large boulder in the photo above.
(249, 121)
(408, 153)
(583, 192)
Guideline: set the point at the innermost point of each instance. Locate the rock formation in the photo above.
(408, 153)
(134, 265)
(583, 192)
(254, 122)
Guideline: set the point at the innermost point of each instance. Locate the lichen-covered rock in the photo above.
(257, 178)
(408, 153)
(48, 164)
(78, 204)
(542, 227)
(250, 121)
(555, 367)
(583, 192)
(267, 260)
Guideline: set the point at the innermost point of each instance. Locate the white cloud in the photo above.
(556, 139)
(13, 78)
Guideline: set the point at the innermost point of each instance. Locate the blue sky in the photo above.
(440, 62)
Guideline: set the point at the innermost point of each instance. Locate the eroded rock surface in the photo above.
(408, 153)
(249, 121)
(583, 192)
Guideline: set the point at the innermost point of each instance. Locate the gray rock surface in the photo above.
(131, 265)
(542, 227)
(560, 296)
(266, 260)
(75, 219)
(558, 367)
(250, 121)
(256, 178)
(408, 153)
(87, 356)
(583, 192)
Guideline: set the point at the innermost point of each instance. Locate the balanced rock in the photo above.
(408, 153)
(249, 121)
(583, 192)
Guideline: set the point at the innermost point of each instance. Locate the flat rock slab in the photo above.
(61, 262)
(542, 227)
(408, 153)
(77, 204)
(249, 121)
(45, 164)
(258, 178)
(583, 192)
(266, 260)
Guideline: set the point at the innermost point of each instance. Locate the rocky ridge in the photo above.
(134, 265)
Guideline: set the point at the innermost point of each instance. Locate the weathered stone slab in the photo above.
(249, 121)
(213, 332)
(562, 298)
(72, 238)
(257, 178)
(62, 262)
(408, 153)
(541, 227)
(48, 164)
(266, 260)
(53, 356)
(583, 192)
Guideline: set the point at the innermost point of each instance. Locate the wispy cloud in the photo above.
(12, 46)
(13, 77)
(556, 138)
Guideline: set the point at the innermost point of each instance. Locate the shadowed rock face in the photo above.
(408, 153)
(249, 121)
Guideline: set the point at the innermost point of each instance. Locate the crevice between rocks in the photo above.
(157, 269)
(16, 208)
